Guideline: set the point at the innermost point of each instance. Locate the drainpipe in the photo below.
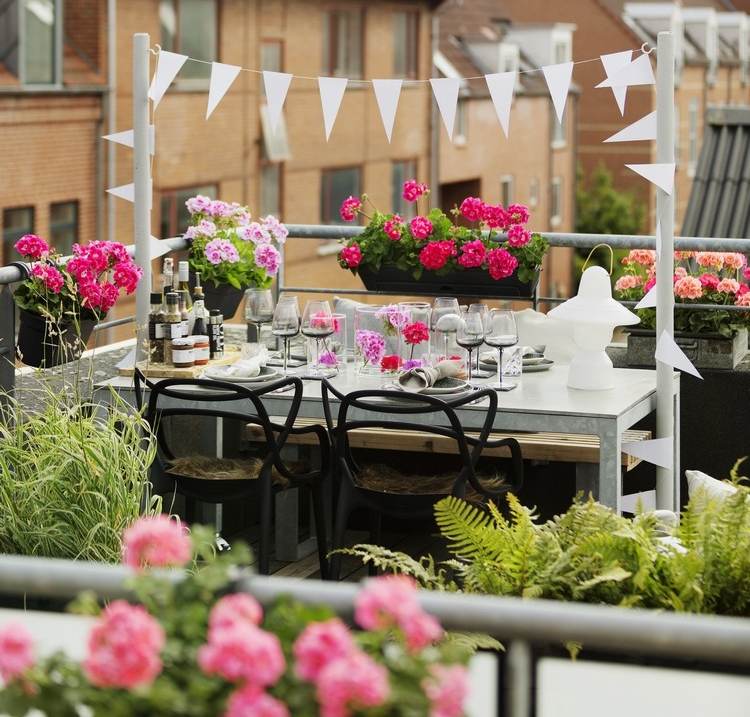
(434, 118)
(111, 114)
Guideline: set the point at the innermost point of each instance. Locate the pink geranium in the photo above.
(371, 344)
(743, 299)
(413, 190)
(733, 260)
(233, 611)
(156, 542)
(680, 273)
(318, 645)
(221, 250)
(517, 213)
(30, 246)
(416, 333)
(251, 701)
(713, 259)
(50, 275)
(421, 227)
(393, 227)
(746, 273)
(351, 256)
(447, 688)
(650, 284)
(351, 684)
(644, 257)
(16, 651)
(267, 257)
(710, 281)
(349, 208)
(728, 286)
(494, 216)
(420, 630)
(386, 602)
(626, 282)
(435, 255)
(688, 287)
(124, 647)
(471, 209)
(518, 236)
(472, 254)
(255, 232)
(501, 263)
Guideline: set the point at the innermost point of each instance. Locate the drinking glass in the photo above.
(470, 335)
(293, 299)
(482, 310)
(285, 325)
(259, 307)
(317, 324)
(443, 306)
(501, 332)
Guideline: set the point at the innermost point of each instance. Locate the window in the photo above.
(175, 217)
(190, 27)
(16, 222)
(461, 126)
(692, 136)
(336, 186)
(558, 131)
(342, 43)
(534, 192)
(400, 172)
(270, 189)
(272, 56)
(506, 190)
(406, 44)
(556, 208)
(561, 51)
(39, 41)
(63, 224)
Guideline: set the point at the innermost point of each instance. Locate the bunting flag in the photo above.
(612, 64)
(445, 90)
(649, 299)
(127, 192)
(558, 79)
(637, 72)
(668, 352)
(387, 93)
(662, 175)
(642, 129)
(331, 93)
(159, 247)
(127, 138)
(127, 361)
(501, 86)
(277, 86)
(636, 502)
(168, 64)
(222, 77)
(659, 451)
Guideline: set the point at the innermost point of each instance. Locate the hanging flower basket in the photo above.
(43, 343)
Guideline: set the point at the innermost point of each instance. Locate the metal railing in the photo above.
(526, 627)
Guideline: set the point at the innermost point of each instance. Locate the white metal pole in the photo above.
(142, 180)
(667, 479)
(111, 114)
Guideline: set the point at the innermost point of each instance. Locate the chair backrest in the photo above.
(391, 410)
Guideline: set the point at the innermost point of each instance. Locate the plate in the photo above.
(221, 373)
(536, 367)
(445, 386)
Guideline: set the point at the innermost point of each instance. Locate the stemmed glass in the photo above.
(501, 333)
(318, 324)
(259, 307)
(470, 335)
(443, 306)
(482, 310)
(285, 324)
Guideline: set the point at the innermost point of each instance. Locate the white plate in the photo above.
(460, 387)
(221, 373)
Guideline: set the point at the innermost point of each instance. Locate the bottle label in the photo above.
(182, 356)
(175, 330)
(159, 330)
(201, 353)
(185, 328)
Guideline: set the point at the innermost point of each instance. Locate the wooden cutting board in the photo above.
(162, 370)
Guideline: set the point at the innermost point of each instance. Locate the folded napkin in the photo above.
(248, 367)
(418, 379)
(491, 356)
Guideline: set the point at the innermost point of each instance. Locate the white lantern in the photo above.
(594, 315)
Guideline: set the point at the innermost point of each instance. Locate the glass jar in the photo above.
(182, 353)
(414, 337)
(333, 349)
(201, 350)
(374, 338)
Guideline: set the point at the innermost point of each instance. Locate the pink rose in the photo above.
(156, 542)
(471, 208)
(16, 651)
(472, 254)
(435, 254)
(235, 610)
(351, 256)
(413, 190)
(393, 227)
(251, 701)
(688, 287)
(447, 688)
(501, 263)
(421, 227)
(349, 208)
(518, 236)
(494, 216)
(351, 684)
(31, 246)
(319, 644)
(728, 286)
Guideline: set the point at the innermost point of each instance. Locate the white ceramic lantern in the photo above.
(594, 315)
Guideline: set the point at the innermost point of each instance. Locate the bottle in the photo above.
(183, 276)
(184, 314)
(167, 276)
(200, 325)
(216, 333)
(172, 324)
(156, 329)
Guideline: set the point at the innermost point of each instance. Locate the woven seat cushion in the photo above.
(210, 468)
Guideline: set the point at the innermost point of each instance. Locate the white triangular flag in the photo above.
(662, 175)
(331, 94)
(501, 86)
(124, 191)
(159, 248)
(637, 72)
(222, 77)
(387, 93)
(127, 361)
(668, 352)
(558, 81)
(649, 299)
(613, 63)
(635, 502)
(277, 85)
(659, 451)
(168, 64)
(445, 90)
(644, 128)
(127, 138)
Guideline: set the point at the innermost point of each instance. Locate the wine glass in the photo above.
(285, 324)
(443, 306)
(482, 310)
(501, 333)
(470, 335)
(294, 299)
(259, 307)
(317, 324)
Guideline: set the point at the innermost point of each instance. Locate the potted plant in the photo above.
(60, 301)
(231, 252)
(711, 338)
(494, 256)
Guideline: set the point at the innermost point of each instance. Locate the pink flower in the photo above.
(51, 277)
(390, 362)
(628, 281)
(415, 333)
(243, 653)
(328, 358)
(220, 209)
(743, 299)
(108, 295)
(351, 684)
(16, 651)
(471, 208)
(680, 255)
(124, 647)
(644, 257)
(220, 250)
(251, 701)
(385, 602)
(31, 246)
(517, 213)
(728, 286)
(710, 281)
(349, 208)
(746, 273)
(267, 257)
(254, 232)
(447, 688)
(198, 204)
(421, 227)
(276, 228)
(501, 263)
(420, 630)
(412, 363)
(319, 644)
(688, 287)
(395, 316)
(371, 344)
(393, 227)
(680, 273)
(413, 190)
(744, 288)
(518, 236)
(126, 276)
(733, 260)
(472, 254)
(494, 216)
(435, 255)
(351, 256)
(710, 259)
(650, 284)
(156, 542)
(235, 610)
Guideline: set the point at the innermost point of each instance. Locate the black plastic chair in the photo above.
(390, 410)
(251, 411)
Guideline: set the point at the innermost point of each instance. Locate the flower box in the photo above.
(43, 344)
(466, 282)
(708, 351)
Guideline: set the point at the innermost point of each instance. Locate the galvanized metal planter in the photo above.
(712, 351)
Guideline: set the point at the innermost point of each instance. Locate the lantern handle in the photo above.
(611, 257)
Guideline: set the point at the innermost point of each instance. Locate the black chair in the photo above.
(185, 398)
(391, 410)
